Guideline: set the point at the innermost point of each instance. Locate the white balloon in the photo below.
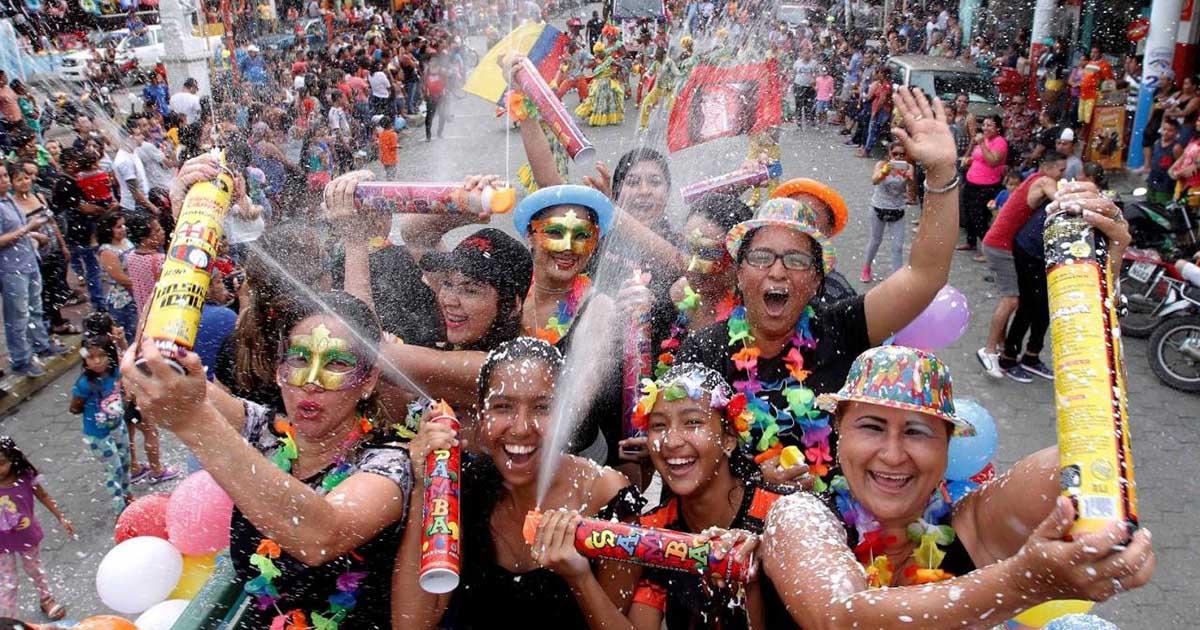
(163, 615)
(138, 573)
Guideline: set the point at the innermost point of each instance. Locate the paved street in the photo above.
(1165, 427)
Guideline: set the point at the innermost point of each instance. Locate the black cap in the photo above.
(492, 257)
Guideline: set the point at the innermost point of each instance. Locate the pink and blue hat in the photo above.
(901, 378)
(788, 213)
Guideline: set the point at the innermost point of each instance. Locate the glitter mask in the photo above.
(568, 232)
(323, 360)
(705, 255)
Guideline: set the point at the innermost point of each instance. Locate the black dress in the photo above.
(491, 596)
(308, 588)
(684, 599)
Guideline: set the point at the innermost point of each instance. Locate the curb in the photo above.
(16, 389)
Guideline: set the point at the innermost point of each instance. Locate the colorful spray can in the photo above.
(651, 547)
(530, 81)
(425, 197)
(174, 314)
(441, 541)
(733, 182)
(1096, 464)
(637, 363)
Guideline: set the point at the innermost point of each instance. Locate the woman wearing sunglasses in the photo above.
(780, 347)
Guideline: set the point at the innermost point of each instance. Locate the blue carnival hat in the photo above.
(563, 195)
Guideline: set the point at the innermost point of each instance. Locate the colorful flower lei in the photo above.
(926, 531)
(557, 326)
(686, 307)
(757, 421)
(262, 587)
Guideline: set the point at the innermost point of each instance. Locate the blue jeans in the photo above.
(879, 122)
(126, 317)
(411, 92)
(24, 325)
(87, 266)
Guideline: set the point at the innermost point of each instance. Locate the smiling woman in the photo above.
(505, 584)
(318, 466)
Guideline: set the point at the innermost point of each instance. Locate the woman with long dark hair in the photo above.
(985, 164)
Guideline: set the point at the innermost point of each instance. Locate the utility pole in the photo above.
(1160, 51)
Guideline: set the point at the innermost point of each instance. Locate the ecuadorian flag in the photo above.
(543, 44)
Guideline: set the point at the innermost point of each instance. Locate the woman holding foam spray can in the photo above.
(1090, 396)
(434, 198)
(441, 540)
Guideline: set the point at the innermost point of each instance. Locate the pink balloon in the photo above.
(198, 515)
(146, 516)
(939, 325)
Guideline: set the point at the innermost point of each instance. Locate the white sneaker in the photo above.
(990, 362)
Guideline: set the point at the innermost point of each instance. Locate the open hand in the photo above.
(926, 134)
(601, 181)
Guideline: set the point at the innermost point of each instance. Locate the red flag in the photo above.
(725, 101)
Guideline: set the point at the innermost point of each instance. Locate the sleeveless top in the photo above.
(891, 193)
(683, 598)
(118, 297)
(308, 588)
(491, 596)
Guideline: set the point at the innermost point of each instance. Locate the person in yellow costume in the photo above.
(605, 104)
(764, 149)
(669, 74)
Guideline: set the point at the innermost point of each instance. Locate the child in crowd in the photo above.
(20, 532)
(389, 147)
(97, 396)
(1012, 179)
(824, 87)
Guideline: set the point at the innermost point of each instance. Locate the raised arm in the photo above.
(274, 501)
(898, 300)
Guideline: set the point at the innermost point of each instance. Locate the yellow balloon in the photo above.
(196, 571)
(1043, 614)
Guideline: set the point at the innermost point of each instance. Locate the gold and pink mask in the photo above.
(705, 255)
(565, 233)
(322, 359)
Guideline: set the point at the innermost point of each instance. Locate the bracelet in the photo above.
(944, 189)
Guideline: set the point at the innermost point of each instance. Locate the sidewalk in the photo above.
(16, 389)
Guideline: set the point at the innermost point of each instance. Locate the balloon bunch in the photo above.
(166, 550)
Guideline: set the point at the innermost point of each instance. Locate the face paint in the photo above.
(321, 359)
(569, 232)
(706, 255)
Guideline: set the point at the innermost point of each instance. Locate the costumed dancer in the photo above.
(668, 73)
(764, 149)
(605, 104)
(571, 75)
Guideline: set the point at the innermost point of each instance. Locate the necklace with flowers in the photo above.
(262, 587)
(686, 307)
(564, 314)
(928, 532)
(760, 423)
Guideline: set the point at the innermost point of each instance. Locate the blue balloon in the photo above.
(971, 454)
(960, 489)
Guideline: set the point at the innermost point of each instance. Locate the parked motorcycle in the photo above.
(1175, 343)
(1149, 285)
(1173, 229)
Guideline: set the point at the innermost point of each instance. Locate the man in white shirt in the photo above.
(339, 127)
(159, 165)
(381, 90)
(187, 102)
(130, 172)
(805, 76)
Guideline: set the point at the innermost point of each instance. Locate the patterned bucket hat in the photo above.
(831, 198)
(788, 213)
(901, 378)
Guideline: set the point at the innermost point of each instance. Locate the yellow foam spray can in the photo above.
(174, 315)
(1095, 462)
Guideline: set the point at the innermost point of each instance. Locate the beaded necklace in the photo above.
(760, 423)
(926, 531)
(262, 587)
(679, 329)
(564, 315)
